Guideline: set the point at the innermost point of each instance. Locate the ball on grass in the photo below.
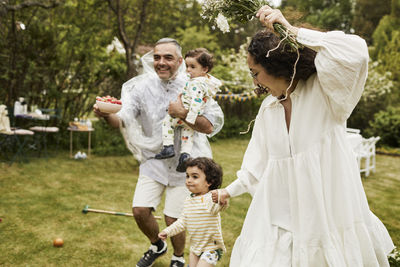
(58, 242)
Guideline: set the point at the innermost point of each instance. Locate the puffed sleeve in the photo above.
(342, 68)
(254, 161)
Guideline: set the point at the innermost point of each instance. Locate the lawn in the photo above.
(43, 199)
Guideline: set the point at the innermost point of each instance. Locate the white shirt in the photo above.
(144, 106)
(306, 180)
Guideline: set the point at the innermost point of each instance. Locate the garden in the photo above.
(56, 57)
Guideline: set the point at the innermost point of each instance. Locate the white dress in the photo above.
(309, 207)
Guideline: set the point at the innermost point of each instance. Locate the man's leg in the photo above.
(174, 202)
(178, 241)
(146, 222)
(147, 196)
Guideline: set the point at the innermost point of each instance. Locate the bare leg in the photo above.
(193, 260)
(203, 263)
(146, 222)
(178, 241)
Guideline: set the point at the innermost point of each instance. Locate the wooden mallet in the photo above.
(86, 209)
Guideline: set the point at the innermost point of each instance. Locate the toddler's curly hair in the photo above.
(202, 56)
(211, 169)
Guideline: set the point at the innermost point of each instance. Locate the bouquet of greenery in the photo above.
(220, 11)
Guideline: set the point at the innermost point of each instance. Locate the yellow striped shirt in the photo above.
(201, 219)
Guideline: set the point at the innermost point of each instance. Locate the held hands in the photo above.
(176, 109)
(268, 16)
(223, 196)
(162, 235)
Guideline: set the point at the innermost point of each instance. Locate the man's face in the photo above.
(166, 60)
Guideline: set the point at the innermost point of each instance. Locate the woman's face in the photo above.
(275, 86)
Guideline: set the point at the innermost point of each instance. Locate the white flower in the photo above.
(222, 23)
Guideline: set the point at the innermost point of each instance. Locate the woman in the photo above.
(309, 207)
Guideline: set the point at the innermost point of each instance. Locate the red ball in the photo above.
(58, 242)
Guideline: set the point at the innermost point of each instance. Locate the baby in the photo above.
(200, 215)
(198, 90)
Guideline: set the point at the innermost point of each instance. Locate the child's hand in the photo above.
(220, 196)
(162, 235)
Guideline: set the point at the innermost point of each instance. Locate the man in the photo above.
(145, 101)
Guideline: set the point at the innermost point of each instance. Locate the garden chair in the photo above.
(41, 131)
(366, 155)
(12, 140)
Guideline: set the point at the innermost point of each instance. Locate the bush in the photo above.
(107, 140)
(386, 124)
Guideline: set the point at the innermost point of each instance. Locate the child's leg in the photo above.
(193, 259)
(168, 130)
(186, 139)
(208, 259)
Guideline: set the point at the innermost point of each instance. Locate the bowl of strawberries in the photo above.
(108, 104)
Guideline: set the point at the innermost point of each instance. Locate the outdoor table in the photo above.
(73, 129)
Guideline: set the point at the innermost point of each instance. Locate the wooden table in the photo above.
(71, 130)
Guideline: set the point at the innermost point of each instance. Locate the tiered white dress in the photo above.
(309, 207)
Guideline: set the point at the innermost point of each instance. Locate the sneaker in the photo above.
(177, 261)
(182, 162)
(151, 255)
(166, 152)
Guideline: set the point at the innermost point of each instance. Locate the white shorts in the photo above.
(148, 193)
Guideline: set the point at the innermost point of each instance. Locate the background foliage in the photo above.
(54, 53)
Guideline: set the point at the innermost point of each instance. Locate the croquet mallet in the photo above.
(86, 209)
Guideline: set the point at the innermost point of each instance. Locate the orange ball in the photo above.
(58, 242)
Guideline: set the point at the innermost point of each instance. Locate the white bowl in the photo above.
(108, 107)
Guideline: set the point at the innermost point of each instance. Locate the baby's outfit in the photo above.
(195, 95)
(200, 217)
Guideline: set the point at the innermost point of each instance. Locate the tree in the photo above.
(367, 14)
(328, 14)
(122, 10)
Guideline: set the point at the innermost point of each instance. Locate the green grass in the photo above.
(42, 200)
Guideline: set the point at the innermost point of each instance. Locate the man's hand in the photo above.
(162, 235)
(98, 113)
(112, 119)
(176, 109)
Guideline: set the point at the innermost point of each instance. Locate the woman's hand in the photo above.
(162, 235)
(268, 16)
(176, 109)
(223, 196)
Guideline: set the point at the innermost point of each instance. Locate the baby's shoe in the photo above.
(182, 162)
(166, 152)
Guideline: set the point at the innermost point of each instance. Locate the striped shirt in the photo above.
(201, 219)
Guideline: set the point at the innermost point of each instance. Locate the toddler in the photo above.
(200, 215)
(198, 90)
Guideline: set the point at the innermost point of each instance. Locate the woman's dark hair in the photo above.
(280, 62)
(211, 169)
(202, 56)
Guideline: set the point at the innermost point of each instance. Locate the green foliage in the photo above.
(108, 141)
(384, 33)
(376, 96)
(191, 37)
(367, 14)
(329, 15)
(394, 258)
(386, 124)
